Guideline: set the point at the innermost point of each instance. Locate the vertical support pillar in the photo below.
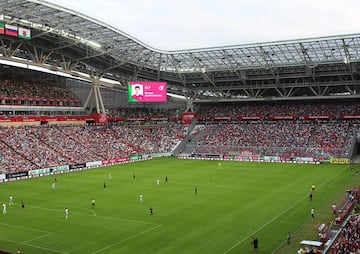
(95, 92)
(189, 106)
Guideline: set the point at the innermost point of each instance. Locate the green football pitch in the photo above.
(234, 203)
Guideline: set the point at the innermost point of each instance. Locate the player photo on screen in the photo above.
(142, 91)
(137, 92)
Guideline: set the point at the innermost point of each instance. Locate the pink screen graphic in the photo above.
(147, 91)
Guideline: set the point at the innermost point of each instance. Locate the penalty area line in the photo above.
(21, 227)
(35, 246)
(126, 239)
(39, 237)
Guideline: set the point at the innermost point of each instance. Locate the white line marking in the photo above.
(94, 214)
(59, 210)
(86, 209)
(39, 237)
(322, 185)
(35, 246)
(263, 226)
(126, 239)
(302, 225)
(266, 224)
(295, 210)
(33, 229)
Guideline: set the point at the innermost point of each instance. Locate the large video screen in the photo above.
(147, 91)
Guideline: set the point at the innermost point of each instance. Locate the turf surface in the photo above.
(234, 203)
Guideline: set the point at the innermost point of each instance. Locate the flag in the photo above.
(24, 33)
(2, 28)
(11, 30)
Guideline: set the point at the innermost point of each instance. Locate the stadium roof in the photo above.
(65, 40)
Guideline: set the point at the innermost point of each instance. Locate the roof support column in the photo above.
(189, 106)
(95, 91)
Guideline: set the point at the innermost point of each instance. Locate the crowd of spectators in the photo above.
(20, 88)
(23, 89)
(28, 148)
(278, 138)
(31, 148)
(45, 147)
(345, 205)
(349, 108)
(330, 137)
(142, 113)
(349, 240)
(10, 160)
(324, 108)
(153, 139)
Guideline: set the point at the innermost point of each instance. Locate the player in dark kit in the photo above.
(151, 211)
(288, 239)
(255, 242)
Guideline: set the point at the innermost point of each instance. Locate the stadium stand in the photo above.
(43, 147)
(146, 113)
(278, 138)
(345, 205)
(156, 130)
(51, 146)
(35, 94)
(348, 240)
(327, 108)
(266, 72)
(12, 161)
(341, 235)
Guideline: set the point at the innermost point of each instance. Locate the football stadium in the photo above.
(109, 145)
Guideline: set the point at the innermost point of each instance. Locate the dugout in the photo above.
(310, 247)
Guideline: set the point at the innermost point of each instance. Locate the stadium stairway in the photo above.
(182, 146)
(356, 159)
(192, 140)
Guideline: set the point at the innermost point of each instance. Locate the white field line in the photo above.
(36, 246)
(46, 233)
(263, 226)
(325, 183)
(39, 237)
(94, 214)
(294, 211)
(32, 229)
(276, 217)
(126, 239)
(301, 226)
